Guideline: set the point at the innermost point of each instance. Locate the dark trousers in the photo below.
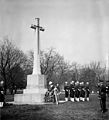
(72, 94)
(103, 104)
(66, 94)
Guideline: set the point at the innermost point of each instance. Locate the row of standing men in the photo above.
(77, 91)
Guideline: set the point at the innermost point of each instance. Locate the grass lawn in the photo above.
(64, 111)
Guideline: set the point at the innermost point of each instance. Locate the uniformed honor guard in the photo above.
(66, 89)
(87, 91)
(51, 86)
(72, 91)
(51, 91)
(82, 91)
(2, 96)
(107, 89)
(102, 97)
(77, 91)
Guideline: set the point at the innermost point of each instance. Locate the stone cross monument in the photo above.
(36, 65)
(36, 84)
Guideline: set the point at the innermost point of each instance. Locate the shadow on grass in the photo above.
(19, 112)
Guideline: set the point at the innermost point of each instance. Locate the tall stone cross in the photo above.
(36, 64)
(36, 83)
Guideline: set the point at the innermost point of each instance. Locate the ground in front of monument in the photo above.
(64, 111)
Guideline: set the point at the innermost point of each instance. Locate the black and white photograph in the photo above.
(54, 60)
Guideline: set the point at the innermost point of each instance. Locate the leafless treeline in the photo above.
(15, 65)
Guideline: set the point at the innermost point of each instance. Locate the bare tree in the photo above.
(75, 68)
(52, 65)
(17, 79)
(10, 57)
(98, 69)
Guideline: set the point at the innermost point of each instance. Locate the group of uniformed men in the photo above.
(77, 91)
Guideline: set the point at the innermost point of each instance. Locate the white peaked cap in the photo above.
(80, 83)
(77, 82)
(50, 83)
(1, 82)
(87, 82)
(72, 82)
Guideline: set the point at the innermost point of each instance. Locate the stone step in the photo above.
(29, 98)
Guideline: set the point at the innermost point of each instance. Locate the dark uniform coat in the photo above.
(2, 97)
(102, 96)
(77, 92)
(82, 92)
(66, 88)
(72, 90)
(87, 91)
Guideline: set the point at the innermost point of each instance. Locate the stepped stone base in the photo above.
(29, 98)
(34, 92)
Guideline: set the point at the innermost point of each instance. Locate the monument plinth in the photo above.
(36, 83)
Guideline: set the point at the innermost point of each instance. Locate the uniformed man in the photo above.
(66, 89)
(50, 92)
(107, 88)
(2, 96)
(51, 86)
(87, 91)
(77, 91)
(72, 91)
(82, 91)
(102, 97)
(47, 94)
(1, 86)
